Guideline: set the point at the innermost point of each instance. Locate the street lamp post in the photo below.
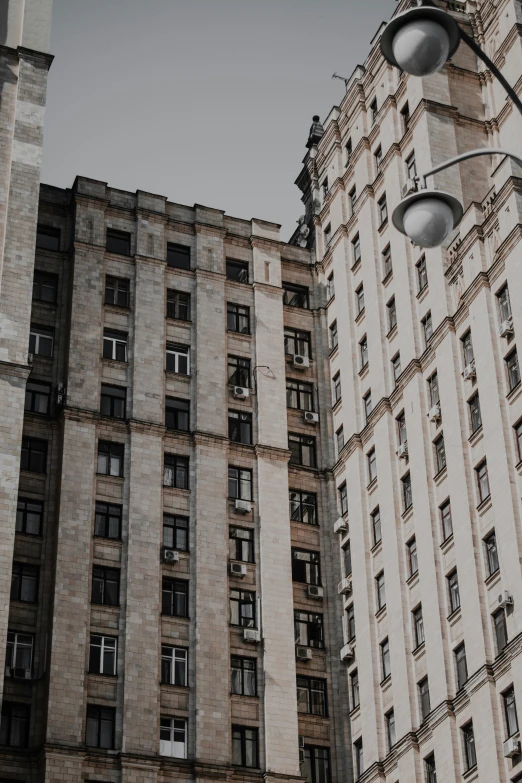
(420, 41)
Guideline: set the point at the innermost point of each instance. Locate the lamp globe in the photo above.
(421, 47)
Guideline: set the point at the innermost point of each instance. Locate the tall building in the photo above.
(427, 409)
(174, 610)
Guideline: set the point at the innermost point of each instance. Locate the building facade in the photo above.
(427, 410)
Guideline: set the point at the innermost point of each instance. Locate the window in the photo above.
(241, 544)
(238, 318)
(422, 274)
(118, 242)
(427, 328)
(413, 561)
(316, 765)
(45, 287)
(240, 427)
(354, 688)
(405, 115)
(178, 256)
(239, 371)
(240, 483)
(372, 466)
(518, 435)
(107, 520)
(328, 234)
(100, 727)
(41, 339)
(483, 480)
(29, 516)
(339, 435)
(396, 367)
(244, 746)
(302, 448)
(296, 295)
(474, 413)
(308, 627)
(237, 271)
(359, 299)
(174, 665)
(311, 696)
(431, 770)
(373, 111)
(176, 472)
(115, 345)
(433, 390)
(504, 304)
(447, 523)
(510, 711)
(14, 725)
(306, 567)
(390, 729)
(378, 158)
(330, 287)
(380, 588)
(440, 453)
(386, 262)
(350, 623)
(102, 655)
(243, 608)
(178, 359)
(175, 532)
(337, 393)
(407, 499)
(376, 526)
(469, 746)
(37, 397)
(334, 338)
(19, 653)
(382, 205)
(453, 591)
(359, 757)
(467, 349)
(401, 429)
(174, 597)
(418, 626)
(303, 507)
(367, 404)
(299, 395)
(117, 291)
(424, 696)
(243, 679)
(349, 150)
(356, 249)
(173, 737)
(385, 659)
(24, 583)
(297, 343)
(105, 586)
(363, 350)
(112, 402)
(178, 305)
(501, 635)
(343, 498)
(392, 314)
(48, 238)
(513, 369)
(462, 666)
(411, 169)
(177, 414)
(324, 187)
(110, 458)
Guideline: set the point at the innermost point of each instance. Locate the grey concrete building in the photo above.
(429, 421)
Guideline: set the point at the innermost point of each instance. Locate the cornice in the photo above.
(41, 58)
(13, 370)
(209, 229)
(150, 214)
(272, 452)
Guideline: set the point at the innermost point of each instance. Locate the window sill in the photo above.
(185, 492)
(116, 542)
(406, 514)
(363, 372)
(24, 472)
(492, 578)
(413, 579)
(115, 308)
(360, 315)
(330, 300)
(178, 320)
(376, 548)
(118, 479)
(45, 359)
(355, 712)
(386, 683)
(245, 697)
(337, 405)
(387, 278)
(419, 651)
(440, 475)
(29, 536)
(171, 687)
(471, 773)
(391, 334)
(174, 374)
(476, 436)
(380, 613)
(447, 544)
(240, 334)
(175, 617)
(372, 485)
(383, 226)
(355, 266)
(333, 351)
(484, 505)
(454, 616)
(107, 607)
(423, 293)
(514, 392)
(102, 677)
(114, 362)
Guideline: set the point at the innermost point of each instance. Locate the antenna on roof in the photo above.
(342, 78)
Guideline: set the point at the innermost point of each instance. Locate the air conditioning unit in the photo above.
(300, 362)
(506, 327)
(347, 652)
(341, 525)
(314, 591)
(345, 585)
(169, 555)
(251, 635)
(241, 393)
(303, 653)
(19, 673)
(311, 418)
(301, 749)
(505, 599)
(469, 372)
(511, 747)
(242, 506)
(410, 186)
(434, 413)
(61, 393)
(402, 451)
(238, 569)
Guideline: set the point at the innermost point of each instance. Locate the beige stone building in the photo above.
(427, 410)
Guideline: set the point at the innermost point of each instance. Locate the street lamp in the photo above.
(420, 41)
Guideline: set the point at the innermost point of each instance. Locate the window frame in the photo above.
(51, 233)
(470, 752)
(180, 528)
(382, 207)
(107, 514)
(475, 414)
(103, 575)
(418, 627)
(237, 664)
(407, 492)
(179, 353)
(300, 388)
(175, 305)
(343, 498)
(443, 519)
(242, 271)
(375, 516)
(301, 294)
(356, 248)
(22, 572)
(170, 661)
(254, 739)
(297, 339)
(500, 630)
(509, 693)
(171, 588)
(301, 504)
(40, 391)
(242, 371)
(387, 262)
(413, 556)
(312, 685)
(240, 543)
(238, 318)
(461, 665)
(178, 256)
(244, 477)
(297, 450)
(176, 409)
(107, 645)
(21, 522)
(118, 285)
(391, 310)
(115, 342)
(112, 400)
(311, 571)
(45, 280)
(173, 463)
(386, 669)
(512, 370)
(37, 333)
(240, 427)
(314, 639)
(440, 453)
(492, 554)
(8, 708)
(371, 458)
(422, 274)
(96, 712)
(120, 239)
(168, 724)
(359, 300)
(452, 581)
(245, 601)
(424, 698)
(114, 451)
(380, 591)
(482, 479)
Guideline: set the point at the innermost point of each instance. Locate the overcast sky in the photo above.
(202, 101)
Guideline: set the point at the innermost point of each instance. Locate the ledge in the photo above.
(514, 393)
(406, 514)
(363, 372)
(380, 613)
(492, 578)
(438, 478)
(360, 316)
(413, 579)
(447, 544)
(454, 616)
(391, 334)
(388, 278)
(419, 651)
(423, 293)
(484, 505)
(476, 436)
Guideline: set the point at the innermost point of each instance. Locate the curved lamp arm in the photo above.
(465, 156)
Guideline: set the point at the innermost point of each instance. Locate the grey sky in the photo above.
(205, 101)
